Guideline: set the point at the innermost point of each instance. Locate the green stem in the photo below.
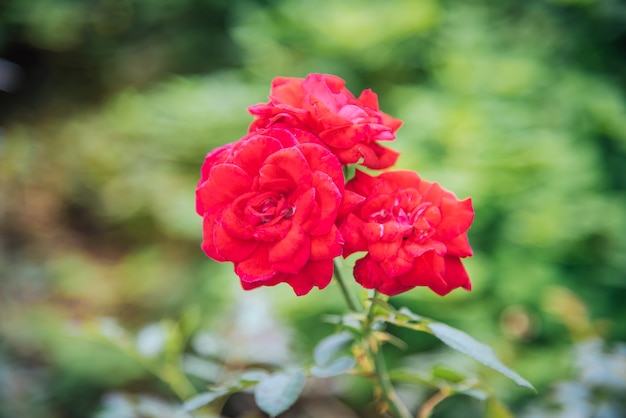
(344, 288)
(397, 408)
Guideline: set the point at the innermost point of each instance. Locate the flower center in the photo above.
(268, 207)
(411, 218)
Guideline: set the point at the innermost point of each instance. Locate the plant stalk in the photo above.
(374, 349)
(347, 295)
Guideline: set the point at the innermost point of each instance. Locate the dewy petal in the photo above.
(225, 183)
(291, 254)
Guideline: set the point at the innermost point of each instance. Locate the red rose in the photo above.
(320, 103)
(269, 203)
(414, 233)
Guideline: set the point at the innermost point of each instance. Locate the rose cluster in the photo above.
(276, 205)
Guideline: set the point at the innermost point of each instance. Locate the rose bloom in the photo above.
(320, 103)
(269, 203)
(414, 232)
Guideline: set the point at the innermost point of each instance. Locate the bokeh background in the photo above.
(107, 108)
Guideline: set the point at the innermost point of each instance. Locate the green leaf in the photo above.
(277, 392)
(203, 399)
(462, 342)
(337, 367)
(402, 376)
(329, 347)
(442, 372)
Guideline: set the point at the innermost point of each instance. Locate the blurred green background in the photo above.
(107, 108)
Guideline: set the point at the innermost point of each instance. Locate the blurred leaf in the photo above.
(330, 346)
(462, 342)
(445, 373)
(335, 368)
(277, 392)
(203, 399)
(404, 376)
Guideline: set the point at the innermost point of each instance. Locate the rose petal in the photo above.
(225, 183)
(315, 273)
(284, 170)
(351, 230)
(327, 199)
(327, 246)
(256, 267)
(456, 275)
(253, 153)
(291, 253)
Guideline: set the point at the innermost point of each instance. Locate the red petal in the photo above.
(456, 217)
(209, 225)
(231, 248)
(428, 270)
(459, 246)
(273, 281)
(321, 159)
(368, 273)
(251, 155)
(381, 251)
(284, 170)
(327, 246)
(327, 199)
(391, 122)
(369, 99)
(287, 90)
(351, 229)
(400, 179)
(291, 253)
(456, 275)
(349, 203)
(376, 156)
(256, 267)
(315, 273)
(226, 182)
